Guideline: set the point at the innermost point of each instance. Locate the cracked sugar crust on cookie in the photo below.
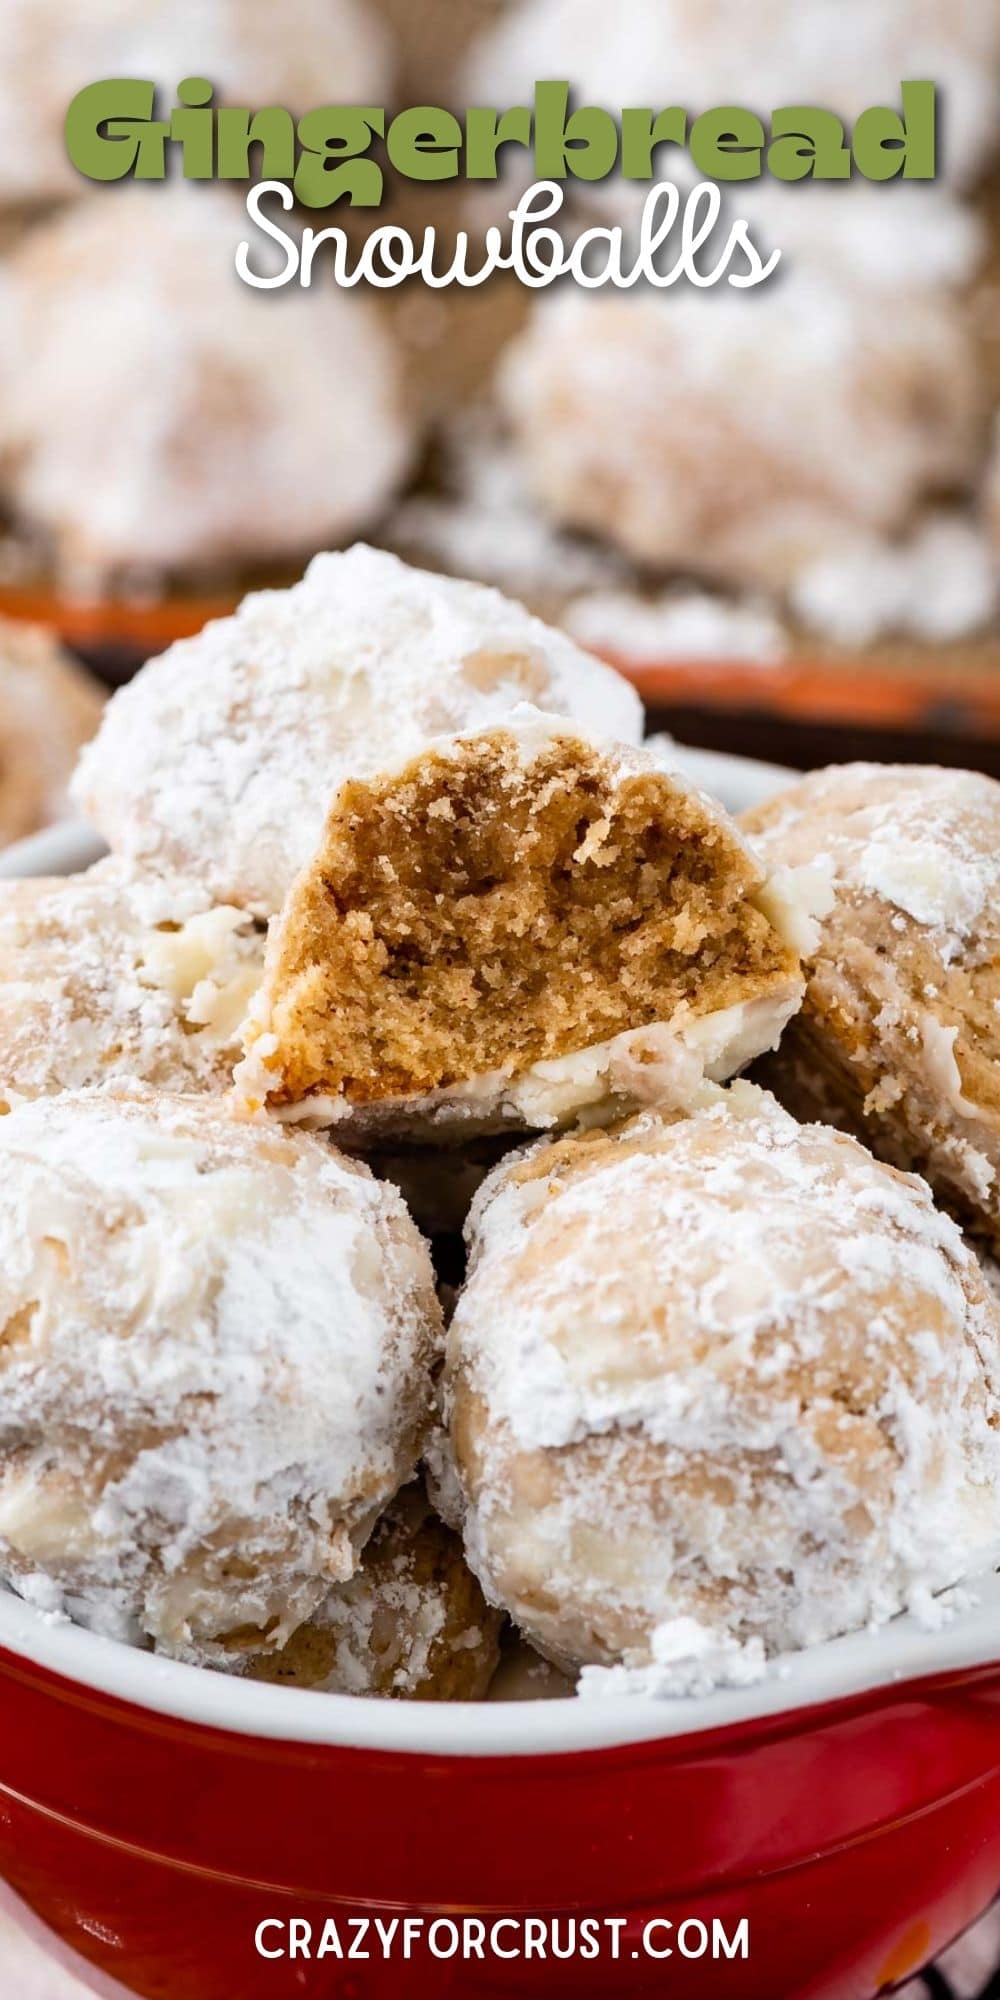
(109, 977)
(216, 1347)
(724, 1368)
(49, 707)
(515, 927)
(221, 758)
(412, 1624)
(900, 1031)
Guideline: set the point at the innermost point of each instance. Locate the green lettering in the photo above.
(486, 131)
(807, 143)
(272, 129)
(583, 143)
(726, 144)
(110, 131)
(424, 143)
(642, 133)
(192, 126)
(334, 166)
(888, 144)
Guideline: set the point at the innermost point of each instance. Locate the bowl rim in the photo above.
(907, 1649)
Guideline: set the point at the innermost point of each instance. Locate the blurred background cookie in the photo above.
(765, 53)
(309, 52)
(49, 707)
(202, 427)
(745, 435)
(869, 525)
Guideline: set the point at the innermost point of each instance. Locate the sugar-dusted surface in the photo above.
(677, 624)
(204, 424)
(749, 435)
(215, 1362)
(942, 583)
(221, 759)
(111, 976)
(724, 1368)
(922, 838)
(901, 1025)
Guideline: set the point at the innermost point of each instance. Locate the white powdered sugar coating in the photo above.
(939, 585)
(923, 838)
(748, 435)
(706, 52)
(668, 1064)
(221, 759)
(227, 427)
(485, 524)
(914, 237)
(305, 53)
(685, 1658)
(110, 977)
(48, 708)
(351, 1616)
(215, 1352)
(726, 1368)
(677, 625)
(901, 1014)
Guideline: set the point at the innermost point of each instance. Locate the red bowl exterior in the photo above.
(856, 1839)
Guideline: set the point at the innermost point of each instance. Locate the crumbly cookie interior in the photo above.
(480, 910)
(412, 1623)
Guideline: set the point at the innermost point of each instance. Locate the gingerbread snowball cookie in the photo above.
(110, 977)
(726, 1369)
(203, 427)
(745, 436)
(518, 928)
(221, 758)
(899, 1035)
(216, 1349)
